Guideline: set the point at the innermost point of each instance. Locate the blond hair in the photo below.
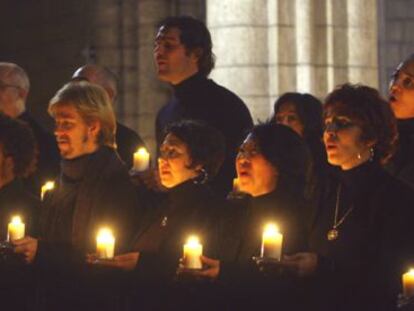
(92, 103)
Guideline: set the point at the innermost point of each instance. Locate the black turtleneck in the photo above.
(202, 99)
(366, 260)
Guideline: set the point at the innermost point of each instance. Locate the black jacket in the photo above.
(240, 240)
(362, 268)
(186, 209)
(93, 191)
(200, 98)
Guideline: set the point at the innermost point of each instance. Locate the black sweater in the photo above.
(202, 99)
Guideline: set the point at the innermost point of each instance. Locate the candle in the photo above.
(236, 185)
(408, 283)
(49, 185)
(192, 252)
(105, 244)
(15, 229)
(271, 242)
(141, 160)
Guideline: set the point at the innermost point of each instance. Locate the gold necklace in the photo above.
(334, 233)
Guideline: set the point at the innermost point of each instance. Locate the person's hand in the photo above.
(26, 247)
(125, 262)
(149, 178)
(211, 269)
(303, 263)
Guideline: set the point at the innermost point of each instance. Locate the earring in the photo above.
(201, 178)
(371, 154)
(359, 156)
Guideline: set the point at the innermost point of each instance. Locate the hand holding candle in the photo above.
(141, 160)
(15, 230)
(49, 185)
(271, 242)
(408, 283)
(192, 252)
(105, 244)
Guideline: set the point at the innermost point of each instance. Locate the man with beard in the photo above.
(402, 103)
(127, 140)
(184, 58)
(93, 191)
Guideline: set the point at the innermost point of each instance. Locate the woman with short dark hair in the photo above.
(190, 156)
(270, 167)
(303, 113)
(358, 234)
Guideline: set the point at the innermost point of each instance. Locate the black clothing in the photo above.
(402, 164)
(16, 282)
(361, 269)
(128, 141)
(48, 158)
(93, 191)
(186, 209)
(241, 239)
(202, 99)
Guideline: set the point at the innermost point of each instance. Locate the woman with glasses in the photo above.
(402, 103)
(358, 237)
(303, 113)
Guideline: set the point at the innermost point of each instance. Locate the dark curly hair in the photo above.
(365, 106)
(195, 36)
(205, 144)
(17, 141)
(285, 150)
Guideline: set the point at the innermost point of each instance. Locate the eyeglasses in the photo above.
(337, 124)
(406, 82)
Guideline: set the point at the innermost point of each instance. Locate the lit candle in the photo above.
(105, 244)
(408, 283)
(272, 242)
(192, 252)
(15, 229)
(141, 160)
(236, 185)
(49, 185)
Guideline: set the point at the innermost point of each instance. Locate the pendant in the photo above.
(332, 234)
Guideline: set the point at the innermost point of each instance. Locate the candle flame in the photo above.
(193, 240)
(49, 185)
(16, 220)
(142, 151)
(105, 234)
(411, 271)
(270, 230)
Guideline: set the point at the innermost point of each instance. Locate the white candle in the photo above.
(272, 242)
(49, 185)
(15, 229)
(408, 283)
(141, 160)
(236, 185)
(192, 252)
(105, 244)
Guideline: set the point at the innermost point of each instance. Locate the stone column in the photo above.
(240, 42)
(363, 42)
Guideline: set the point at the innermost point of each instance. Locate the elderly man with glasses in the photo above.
(402, 103)
(14, 89)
